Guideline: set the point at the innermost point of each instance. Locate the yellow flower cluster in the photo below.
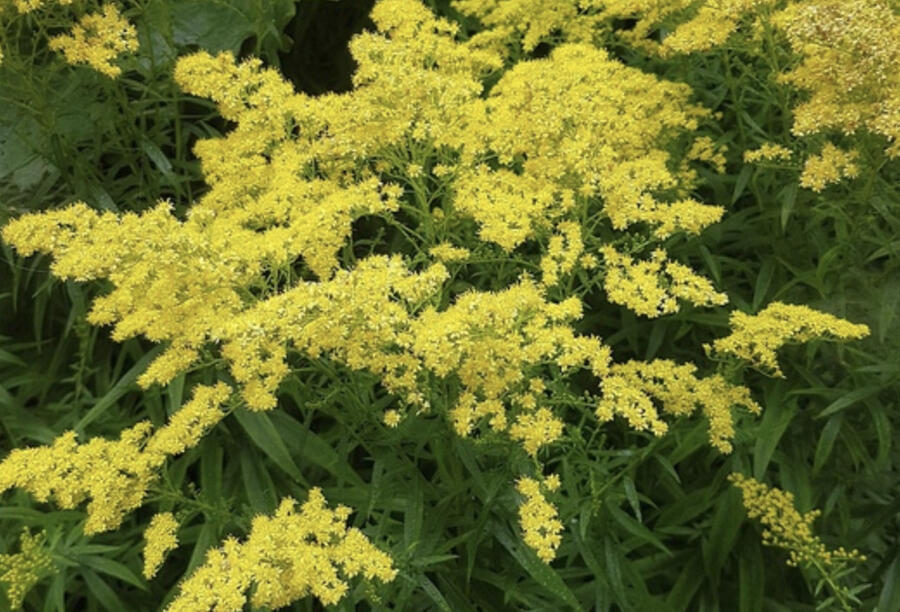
(705, 149)
(829, 166)
(159, 539)
(850, 66)
(787, 528)
(508, 207)
(284, 558)
(512, 24)
(631, 388)
(182, 282)
(359, 317)
(536, 429)
(768, 151)
(27, 6)
(448, 253)
(489, 339)
(564, 118)
(755, 338)
(651, 287)
(564, 250)
(695, 26)
(414, 84)
(113, 475)
(538, 518)
(98, 40)
(22, 570)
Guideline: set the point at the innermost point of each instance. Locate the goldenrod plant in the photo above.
(508, 312)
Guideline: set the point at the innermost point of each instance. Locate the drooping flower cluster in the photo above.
(785, 527)
(285, 557)
(755, 338)
(490, 339)
(524, 24)
(160, 537)
(98, 40)
(538, 518)
(360, 317)
(693, 25)
(112, 475)
(20, 571)
(633, 390)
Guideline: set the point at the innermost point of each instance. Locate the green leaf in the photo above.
(723, 532)
(635, 528)
(112, 568)
(850, 399)
(432, 591)
(542, 573)
(257, 483)
(122, 386)
(268, 439)
(777, 415)
(211, 25)
(313, 448)
(105, 595)
(826, 441)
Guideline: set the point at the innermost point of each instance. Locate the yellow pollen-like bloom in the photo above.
(27, 6)
(98, 40)
(768, 151)
(20, 571)
(829, 166)
(112, 475)
(563, 251)
(560, 118)
(527, 23)
(650, 287)
(285, 557)
(850, 67)
(787, 528)
(392, 418)
(631, 389)
(448, 253)
(187, 426)
(755, 338)
(488, 340)
(538, 519)
(536, 429)
(160, 539)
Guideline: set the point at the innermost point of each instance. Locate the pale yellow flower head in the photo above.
(287, 556)
(159, 539)
(20, 571)
(98, 40)
(755, 338)
(538, 518)
(785, 527)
